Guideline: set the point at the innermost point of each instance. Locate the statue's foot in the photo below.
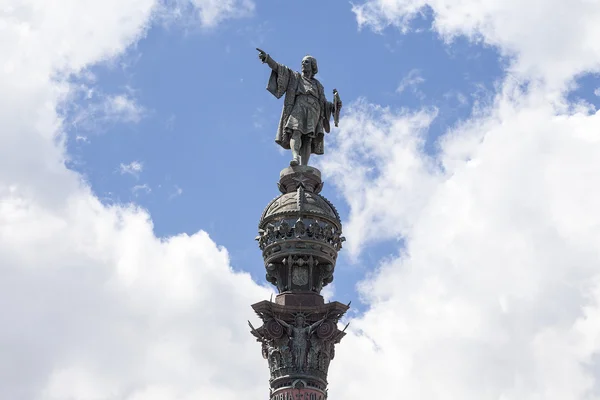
(294, 162)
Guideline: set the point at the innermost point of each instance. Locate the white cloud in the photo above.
(176, 193)
(499, 277)
(208, 13)
(141, 188)
(550, 40)
(133, 168)
(411, 80)
(328, 292)
(496, 291)
(122, 108)
(107, 310)
(214, 11)
(97, 307)
(384, 148)
(100, 110)
(457, 97)
(597, 92)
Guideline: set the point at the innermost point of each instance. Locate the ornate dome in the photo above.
(300, 203)
(300, 233)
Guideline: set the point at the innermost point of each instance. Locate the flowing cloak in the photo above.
(285, 81)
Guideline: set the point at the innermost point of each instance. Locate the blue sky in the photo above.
(208, 123)
(137, 154)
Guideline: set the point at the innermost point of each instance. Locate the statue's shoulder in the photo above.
(321, 88)
(293, 71)
(295, 76)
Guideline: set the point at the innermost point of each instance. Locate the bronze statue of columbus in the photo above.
(306, 111)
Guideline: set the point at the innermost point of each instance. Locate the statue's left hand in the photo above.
(336, 99)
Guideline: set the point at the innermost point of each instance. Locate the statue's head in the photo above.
(309, 65)
(300, 320)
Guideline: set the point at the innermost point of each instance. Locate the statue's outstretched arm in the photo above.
(316, 324)
(282, 323)
(287, 326)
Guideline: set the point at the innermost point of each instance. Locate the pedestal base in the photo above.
(299, 299)
(291, 393)
(302, 175)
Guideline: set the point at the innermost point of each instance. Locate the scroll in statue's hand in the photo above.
(337, 106)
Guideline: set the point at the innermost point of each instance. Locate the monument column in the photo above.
(300, 235)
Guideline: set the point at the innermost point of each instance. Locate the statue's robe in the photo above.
(284, 80)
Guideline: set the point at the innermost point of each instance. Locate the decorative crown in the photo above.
(300, 314)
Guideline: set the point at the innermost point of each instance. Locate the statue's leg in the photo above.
(305, 150)
(302, 363)
(295, 146)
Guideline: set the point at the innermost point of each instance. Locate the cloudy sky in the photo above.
(137, 153)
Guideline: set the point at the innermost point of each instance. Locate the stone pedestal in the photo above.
(299, 299)
(300, 234)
